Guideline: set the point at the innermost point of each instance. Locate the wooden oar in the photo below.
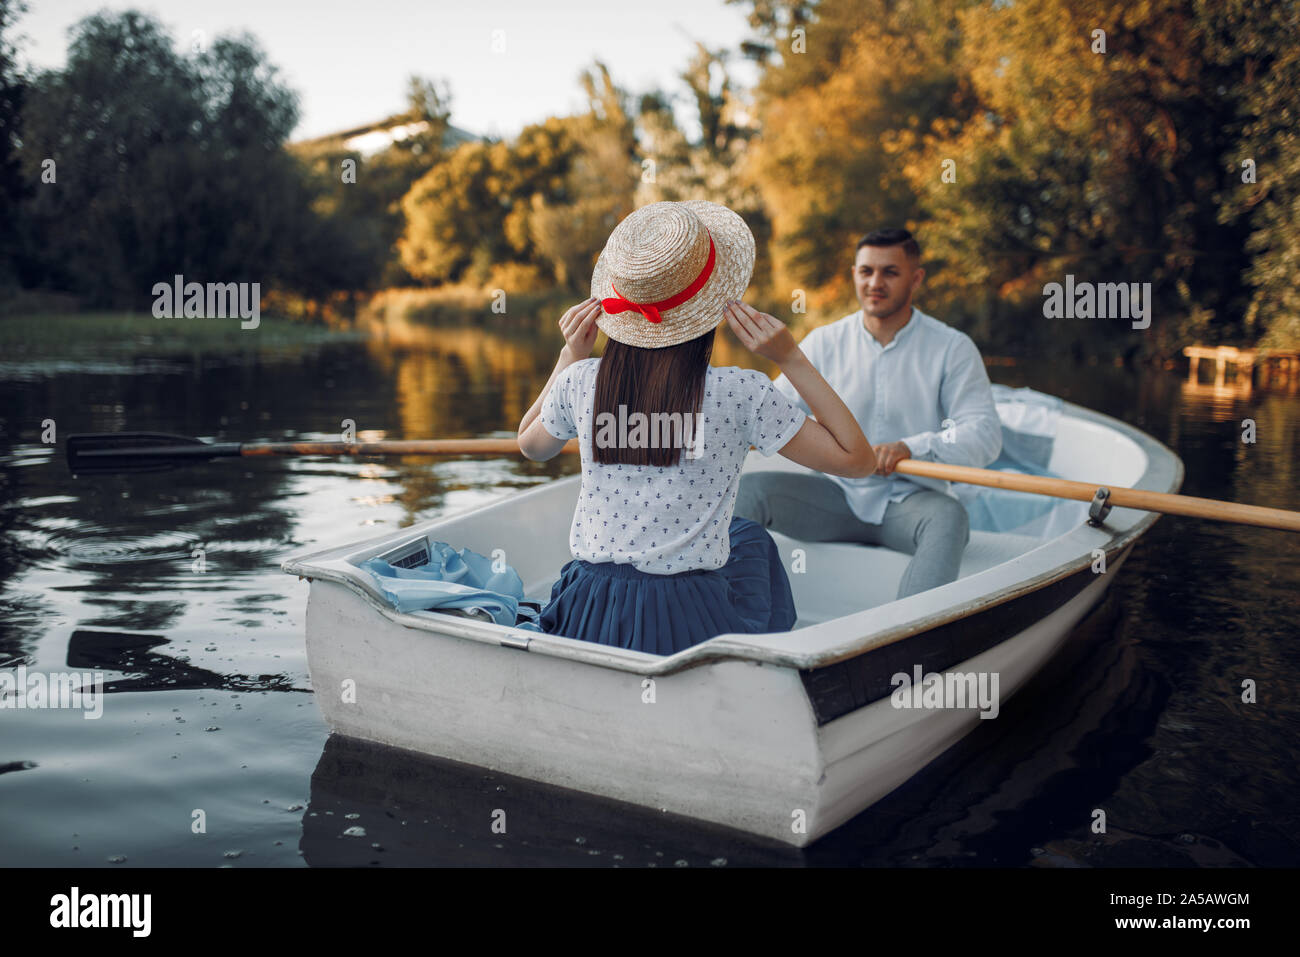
(1164, 502)
(152, 451)
(89, 454)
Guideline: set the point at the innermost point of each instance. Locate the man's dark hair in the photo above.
(892, 237)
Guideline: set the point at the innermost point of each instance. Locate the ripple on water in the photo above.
(26, 456)
(41, 502)
(161, 546)
(78, 549)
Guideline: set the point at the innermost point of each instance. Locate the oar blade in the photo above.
(96, 454)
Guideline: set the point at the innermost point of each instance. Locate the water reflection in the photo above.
(153, 671)
(421, 811)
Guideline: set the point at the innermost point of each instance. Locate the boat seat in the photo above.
(844, 578)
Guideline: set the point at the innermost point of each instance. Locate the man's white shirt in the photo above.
(927, 388)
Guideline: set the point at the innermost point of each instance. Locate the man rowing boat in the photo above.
(910, 380)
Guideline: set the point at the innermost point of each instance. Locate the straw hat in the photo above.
(667, 270)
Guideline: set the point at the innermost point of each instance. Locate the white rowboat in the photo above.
(785, 736)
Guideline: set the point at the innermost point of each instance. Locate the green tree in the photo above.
(1073, 159)
(359, 198)
(571, 227)
(429, 104)
(546, 201)
(165, 164)
(872, 73)
(13, 189)
(718, 167)
(453, 215)
(775, 21)
(1258, 42)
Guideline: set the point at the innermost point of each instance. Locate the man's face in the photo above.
(885, 279)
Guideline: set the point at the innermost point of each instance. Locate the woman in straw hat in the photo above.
(659, 563)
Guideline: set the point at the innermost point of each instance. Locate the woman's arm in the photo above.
(579, 327)
(833, 442)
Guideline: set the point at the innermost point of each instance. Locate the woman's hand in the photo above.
(831, 441)
(579, 328)
(758, 332)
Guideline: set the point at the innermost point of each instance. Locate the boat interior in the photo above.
(830, 580)
(854, 577)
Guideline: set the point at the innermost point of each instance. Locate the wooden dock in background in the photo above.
(1252, 368)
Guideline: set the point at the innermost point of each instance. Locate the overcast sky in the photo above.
(349, 59)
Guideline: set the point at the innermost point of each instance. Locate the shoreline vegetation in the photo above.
(402, 318)
(64, 333)
(1023, 144)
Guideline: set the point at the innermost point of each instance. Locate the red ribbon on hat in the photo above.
(652, 310)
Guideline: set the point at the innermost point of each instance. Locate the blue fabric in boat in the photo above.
(1029, 424)
(1029, 420)
(614, 604)
(453, 578)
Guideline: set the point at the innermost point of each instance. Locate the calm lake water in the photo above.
(209, 705)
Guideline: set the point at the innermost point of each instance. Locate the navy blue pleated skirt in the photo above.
(615, 604)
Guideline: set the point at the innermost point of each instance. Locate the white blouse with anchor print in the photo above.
(668, 519)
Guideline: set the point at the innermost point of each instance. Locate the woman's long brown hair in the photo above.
(649, 381)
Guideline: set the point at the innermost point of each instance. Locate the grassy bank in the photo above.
(130, 333)
(48, 327)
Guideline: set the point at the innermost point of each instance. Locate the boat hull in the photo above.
(735, 743)
(784, 736)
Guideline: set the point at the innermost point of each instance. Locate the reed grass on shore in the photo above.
(125, 333)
